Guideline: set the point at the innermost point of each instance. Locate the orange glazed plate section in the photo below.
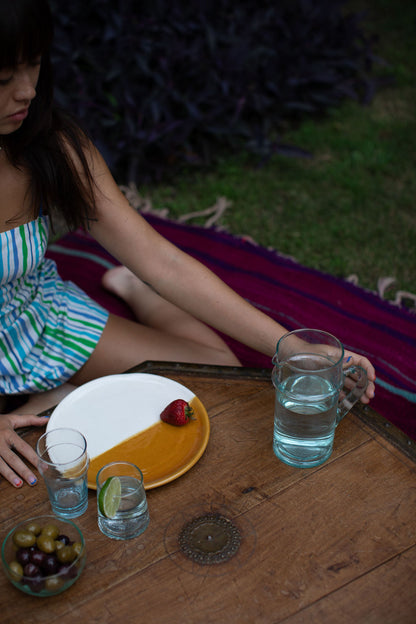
(119, 416)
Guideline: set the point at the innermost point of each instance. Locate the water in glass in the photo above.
(132, 516)
(305, 420)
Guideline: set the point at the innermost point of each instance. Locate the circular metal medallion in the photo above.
(209, 539)
(203, 534)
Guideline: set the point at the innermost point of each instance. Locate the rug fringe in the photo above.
(145, 205)
(140, 203)
(214, 213)
(402, 296)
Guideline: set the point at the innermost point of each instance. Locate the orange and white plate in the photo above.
(119, 415)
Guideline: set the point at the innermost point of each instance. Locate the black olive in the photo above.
(50, 565)
(31, 570)
(23, 556)
(63, 538)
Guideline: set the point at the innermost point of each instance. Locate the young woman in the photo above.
(52, 336)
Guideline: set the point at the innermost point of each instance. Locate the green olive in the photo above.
(58, 545)
(45, 543)
(66, 554)
(77, 548)
(24, 539)
(16, 570)
(53, 583)
(51, 530)
(33, 527)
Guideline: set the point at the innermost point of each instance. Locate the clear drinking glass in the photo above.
(129, 514)
(314, 391)
(63, 463)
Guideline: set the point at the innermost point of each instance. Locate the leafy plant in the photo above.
(161, 84)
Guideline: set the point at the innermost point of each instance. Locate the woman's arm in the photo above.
(175, 275)
(178, 277)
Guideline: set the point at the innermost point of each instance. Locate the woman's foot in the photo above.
(148, 307)
(122, 282)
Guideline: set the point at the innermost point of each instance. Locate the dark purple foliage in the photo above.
(159, 84)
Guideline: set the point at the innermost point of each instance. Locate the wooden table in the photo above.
(333, 544)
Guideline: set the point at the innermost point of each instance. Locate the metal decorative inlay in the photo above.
(209, 539)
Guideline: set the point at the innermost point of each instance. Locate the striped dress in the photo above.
(48, 327)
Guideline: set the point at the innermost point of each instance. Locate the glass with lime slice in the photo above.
(121, 501)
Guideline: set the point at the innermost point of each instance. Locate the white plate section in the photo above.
(111, 409)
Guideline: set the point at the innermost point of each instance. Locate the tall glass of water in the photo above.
(63, 463)
(309, 376)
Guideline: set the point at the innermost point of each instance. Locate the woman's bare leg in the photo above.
(163, 332)
(152, 310)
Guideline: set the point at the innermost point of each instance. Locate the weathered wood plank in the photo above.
(385, 595)
(312, 539)
(305, 552)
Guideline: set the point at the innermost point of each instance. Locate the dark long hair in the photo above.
(40, 145)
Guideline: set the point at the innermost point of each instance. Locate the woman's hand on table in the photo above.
(12, 446)
(353, 359)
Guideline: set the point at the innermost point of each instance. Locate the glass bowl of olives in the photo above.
(43, 556)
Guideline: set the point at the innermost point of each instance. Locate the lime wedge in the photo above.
(109, 497)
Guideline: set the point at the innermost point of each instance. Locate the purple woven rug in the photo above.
(292, 294)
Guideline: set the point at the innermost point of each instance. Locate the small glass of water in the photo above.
(63, 463)
(121, 501)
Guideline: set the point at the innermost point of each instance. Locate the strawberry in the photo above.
(177, 413)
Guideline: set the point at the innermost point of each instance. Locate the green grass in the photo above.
(351, 208)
